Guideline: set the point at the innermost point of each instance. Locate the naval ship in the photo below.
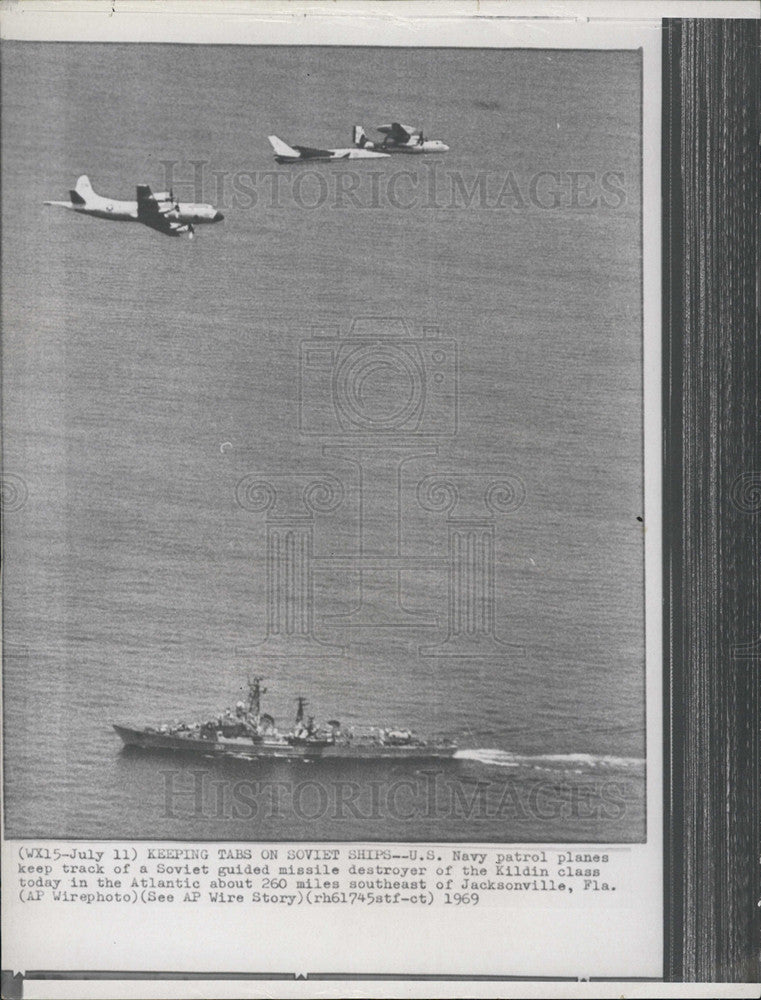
(248, 733)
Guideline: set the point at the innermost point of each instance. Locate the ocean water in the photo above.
(145, 377)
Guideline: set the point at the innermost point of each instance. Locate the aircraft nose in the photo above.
(217, 217)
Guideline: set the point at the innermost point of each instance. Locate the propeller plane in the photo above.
(157, 211)
(399, 138)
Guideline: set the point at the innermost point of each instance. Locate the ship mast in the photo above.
(255, 692)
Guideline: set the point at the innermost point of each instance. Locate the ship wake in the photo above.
(576, 762)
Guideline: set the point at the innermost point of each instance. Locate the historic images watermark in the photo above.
(429, 186)
(427, 796)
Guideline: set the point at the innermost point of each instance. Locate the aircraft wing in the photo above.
(148, 205)
(158, 215)
(146, 201)
(397, 132)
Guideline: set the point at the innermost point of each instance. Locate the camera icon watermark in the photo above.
(745, 492)
(380, 379)
(13, 492)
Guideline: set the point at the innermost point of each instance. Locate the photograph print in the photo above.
(323, 451)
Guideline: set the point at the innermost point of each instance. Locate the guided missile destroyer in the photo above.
(246, 732)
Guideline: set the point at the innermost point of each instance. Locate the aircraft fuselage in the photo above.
(427, 146)
(329, 154)
(126, 211)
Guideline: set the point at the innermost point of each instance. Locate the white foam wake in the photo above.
(551, 761)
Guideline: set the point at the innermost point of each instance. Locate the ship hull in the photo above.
(243, 749)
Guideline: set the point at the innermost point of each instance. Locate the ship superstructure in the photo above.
(247, 732)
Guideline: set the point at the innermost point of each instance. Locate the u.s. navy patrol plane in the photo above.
(399, 139)
(293, 154)
(157, 211)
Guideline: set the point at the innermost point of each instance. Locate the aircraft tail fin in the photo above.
(360, 136)
(282, 148)
(82, 191)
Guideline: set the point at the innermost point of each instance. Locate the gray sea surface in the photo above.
(144, 377)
